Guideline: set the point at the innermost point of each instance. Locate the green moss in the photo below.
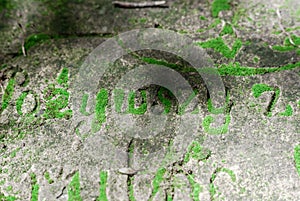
(219, 5)
(283, 48)
(219, 45)
(202, 18)
(131, 104)
(47, 177)
(54, 106)
(227, 30)
(214, 110)
(35, 188)
(103, 183)
(166, 102)
(297, 158)
(230, 173)
(118, 99)
(212, 187)
(3, 66)
(255, 59)
(63, 77)
(20, 101)
(220, 130)
(196, 188)
(83, 105)
(6, 5)
(8, 92)
(74, 189)
(287, 45)
(7, 198)
(169, 198)
(9, 188)
(238, 14)
(34, 39)
(160, 62)
(209, 119)
(236, 69)
(214, 24)
(131, 190)
(100, 109)
(14, 153)
(259, 89)
(159, 177)
(196, 152)
(294, 38)
(276, 32)
(143, 20)
(288, 111)
(201, 30)
(292, 29)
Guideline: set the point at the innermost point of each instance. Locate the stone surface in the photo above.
(254, 159)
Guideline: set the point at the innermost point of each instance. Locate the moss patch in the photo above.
(220, 130)
(287, 45)
(159, 177)
(258, 89)
(47, 177)
(20, 102)
(196, 152)
(165, 101)
(219, 5)
(196, 188)
(35, 39)
(236, 69)
(7, 94)
(219, 45)
(54, 106)
(288, 111)
(35, 188)
(103, 183)
(7, 198)
(131, 191)
(63, 77)
(297, 158)
(131, 102)
(74, 189)
(100, 109)
(227, 30)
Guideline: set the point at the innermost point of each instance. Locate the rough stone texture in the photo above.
(259, 150)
